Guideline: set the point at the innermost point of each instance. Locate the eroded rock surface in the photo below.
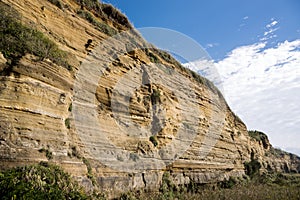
(125, 122)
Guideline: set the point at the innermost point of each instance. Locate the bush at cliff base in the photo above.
(42, 181)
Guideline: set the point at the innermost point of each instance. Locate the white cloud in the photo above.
(211, 45)
(206, 68)
(270, 32)
(273, 23)
(262, 85)
(243, 24)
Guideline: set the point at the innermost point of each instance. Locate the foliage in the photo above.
(128, 196)
(47, 152)
(88, 165)
(70, 107)
(153, 57)
(167, 187)
(155, 96)
(280, 186)
(68, 123)
(17, 39)
(257, 135)
(105, 11)
(89, 170)
(42, 181)
(260, 137)
(90, 4)
(57, 3)
(167, 57)
(153, 140)
(100, 26)
(114, 14)
(75, 153)
(230, 183)
(252, 167)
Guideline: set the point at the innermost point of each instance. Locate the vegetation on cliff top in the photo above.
(103, 27)
(57, 3)
(260, 137)
(257, 135)
(105, 12)
(17, 39)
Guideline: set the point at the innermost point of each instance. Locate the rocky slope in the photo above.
(123, 113)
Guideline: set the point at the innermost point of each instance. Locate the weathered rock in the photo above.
(87, 124)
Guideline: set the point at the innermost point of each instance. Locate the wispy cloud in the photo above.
(273, 23)
(271, 28)
(211, 45)
(243, 23)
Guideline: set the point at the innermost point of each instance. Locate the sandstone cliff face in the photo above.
(86, 122)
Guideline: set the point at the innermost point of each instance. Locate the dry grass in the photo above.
(270, 186)
(249, 191)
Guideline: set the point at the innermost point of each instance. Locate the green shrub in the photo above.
(153, 58)
(105, 11)
(48, 153)
(165, 56)
(114, 14)
(70, 107)
(99, 26)
(88, 165)
(257, 135)
(167, 187)
(153, 140)
(260, 137)
(68, 123)
(252, 168)
(17, 39)
(57, 3)
(75, 153)
(42, 181)
(89, 170)
(128, 196)
(90, 4)
(228, 183)
(155, 96)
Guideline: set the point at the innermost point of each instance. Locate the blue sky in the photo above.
(255, 47)
(219, 26)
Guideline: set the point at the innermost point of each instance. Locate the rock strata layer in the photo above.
(118, 121)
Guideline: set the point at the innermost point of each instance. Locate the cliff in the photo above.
(116, 113)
